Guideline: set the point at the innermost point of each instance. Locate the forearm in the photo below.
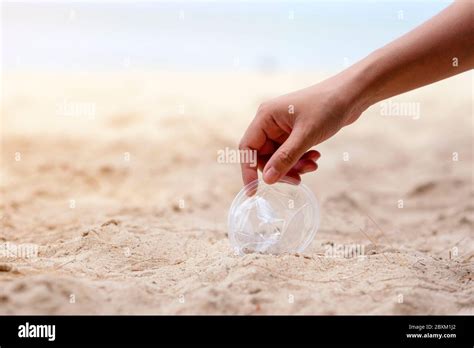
(439, 48)
(427, 54)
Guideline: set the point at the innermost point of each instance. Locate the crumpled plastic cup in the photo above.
(273, 219)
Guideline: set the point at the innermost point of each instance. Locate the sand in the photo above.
(113, 179)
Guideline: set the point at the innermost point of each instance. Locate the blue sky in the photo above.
(185, 35)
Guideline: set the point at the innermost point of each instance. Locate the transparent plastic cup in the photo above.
(273, 219)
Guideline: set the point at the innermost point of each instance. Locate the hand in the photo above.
(285, 128)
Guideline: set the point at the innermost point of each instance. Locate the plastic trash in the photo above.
(273, 219)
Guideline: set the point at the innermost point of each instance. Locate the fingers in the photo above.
(268, 148)
(311, 154)
(286, 156)
(293, 177)
(307, 162)
(280, 152)
(254, 139)
(305, 166)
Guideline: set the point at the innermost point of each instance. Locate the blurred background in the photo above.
(202, 36)
(112, 116)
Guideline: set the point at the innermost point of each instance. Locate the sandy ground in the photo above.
(113, 178)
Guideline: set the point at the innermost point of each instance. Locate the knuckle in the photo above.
(264, 109)
(285, 157)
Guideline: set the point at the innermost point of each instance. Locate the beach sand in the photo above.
(113, 179)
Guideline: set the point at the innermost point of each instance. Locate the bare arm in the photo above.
(439, 48)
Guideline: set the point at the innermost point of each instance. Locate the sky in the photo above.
(202, 36)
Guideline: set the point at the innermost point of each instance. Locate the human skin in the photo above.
(285, 128)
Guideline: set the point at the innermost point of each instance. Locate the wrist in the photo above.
(358, 87)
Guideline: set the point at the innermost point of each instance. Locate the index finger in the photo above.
(253, 139)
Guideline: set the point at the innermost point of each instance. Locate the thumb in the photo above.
(286, 156)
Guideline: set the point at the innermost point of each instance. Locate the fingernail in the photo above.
(271, 175)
